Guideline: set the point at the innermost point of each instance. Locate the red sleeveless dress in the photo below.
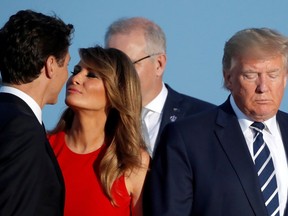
(84, 195)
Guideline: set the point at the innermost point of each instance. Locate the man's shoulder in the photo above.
(282, 113)
(186, 100)
(15, 113)
(282, 116)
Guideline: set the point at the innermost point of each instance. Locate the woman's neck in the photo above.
(86, 134)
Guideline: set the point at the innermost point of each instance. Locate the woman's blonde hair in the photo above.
(123, 126)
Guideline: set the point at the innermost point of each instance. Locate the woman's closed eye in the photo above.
(77, 69)
(92, 75)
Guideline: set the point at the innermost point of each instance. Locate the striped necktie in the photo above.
(265, 170)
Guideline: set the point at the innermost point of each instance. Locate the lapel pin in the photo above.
(173, 118)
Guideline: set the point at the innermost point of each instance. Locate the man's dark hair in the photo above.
(27, 40)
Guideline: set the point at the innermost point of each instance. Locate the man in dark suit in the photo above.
(33, 62)
(231, 160)
(145, 43)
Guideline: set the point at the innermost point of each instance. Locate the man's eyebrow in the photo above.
(255, 71)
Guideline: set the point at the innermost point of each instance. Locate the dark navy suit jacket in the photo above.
(178, 106)
(31, 183)
(203, 167)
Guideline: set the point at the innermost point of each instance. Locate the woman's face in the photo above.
(85, 90)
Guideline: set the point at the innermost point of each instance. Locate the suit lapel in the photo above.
(282, 120)
(233, 142)
(171, 112)
(53, 159)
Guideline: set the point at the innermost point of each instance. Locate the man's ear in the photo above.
(50, 66)
(161, 64)
(227, 78)
(286, 77)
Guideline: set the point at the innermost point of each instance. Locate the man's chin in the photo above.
(52, 102)
(263, 115)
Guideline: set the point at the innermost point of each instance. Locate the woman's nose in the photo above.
(76, 79)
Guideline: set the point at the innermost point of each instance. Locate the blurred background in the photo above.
(196, 32)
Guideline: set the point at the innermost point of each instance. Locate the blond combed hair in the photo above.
(261, 42)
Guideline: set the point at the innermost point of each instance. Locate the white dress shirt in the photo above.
(25, 97)
(154, 116)
(273, 139)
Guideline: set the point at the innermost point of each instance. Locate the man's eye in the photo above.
(250, 76)
(273, 75)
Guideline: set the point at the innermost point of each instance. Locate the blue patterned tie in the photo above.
(265, 169)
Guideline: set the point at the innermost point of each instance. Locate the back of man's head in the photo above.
(26, 41)
(154, 35)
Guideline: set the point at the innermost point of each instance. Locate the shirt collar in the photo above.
(245, 122)
(25, 97)
(157, 104)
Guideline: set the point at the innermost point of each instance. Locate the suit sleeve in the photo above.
(168, 189)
